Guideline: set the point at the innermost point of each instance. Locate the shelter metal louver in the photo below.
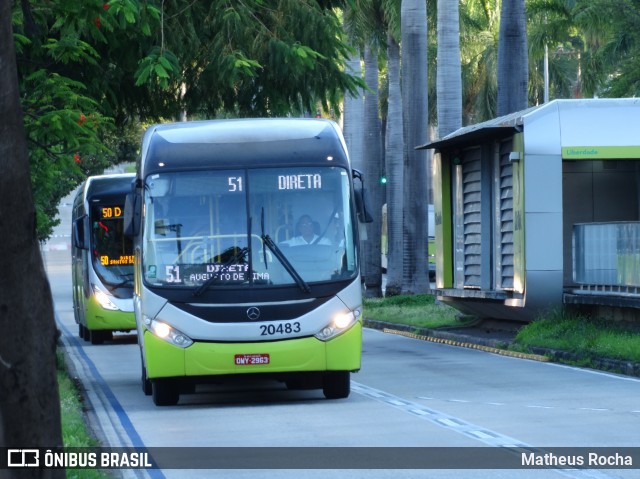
(505, 223)
(472, 205)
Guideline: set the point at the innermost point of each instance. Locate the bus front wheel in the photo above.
(336, 384)
(165, 392)
(147, 388)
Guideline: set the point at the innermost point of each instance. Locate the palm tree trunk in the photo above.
(372, 150)
(394, 172)
(513, 58)
(353, 116)
(449, 74)
(413, 20)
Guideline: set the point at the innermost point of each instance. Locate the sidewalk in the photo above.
(497, 337)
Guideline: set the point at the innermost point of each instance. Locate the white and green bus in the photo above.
(102, 258)
(246, 258)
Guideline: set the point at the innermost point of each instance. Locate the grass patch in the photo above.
(586, 337)
(74, 428)
(582, 335)
(420, 311)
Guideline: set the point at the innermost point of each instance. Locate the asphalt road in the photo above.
(409, 394)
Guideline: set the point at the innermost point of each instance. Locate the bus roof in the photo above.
(241, 142)
(102, 185)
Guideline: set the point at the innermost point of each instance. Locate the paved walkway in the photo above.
(496, 337)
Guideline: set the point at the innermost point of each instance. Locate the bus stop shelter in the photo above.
(520, 202)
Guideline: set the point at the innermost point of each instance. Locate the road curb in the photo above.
(462, 344)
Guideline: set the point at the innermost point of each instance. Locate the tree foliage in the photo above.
(611, 36)
(592, 47)
(90, 72)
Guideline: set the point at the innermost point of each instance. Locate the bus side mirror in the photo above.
(361, 207)
(132, 214)
(81, 232)
(361, 204)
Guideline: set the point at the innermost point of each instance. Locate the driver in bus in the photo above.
(306, 234)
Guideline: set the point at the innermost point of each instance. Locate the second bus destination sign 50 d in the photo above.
(107, 212)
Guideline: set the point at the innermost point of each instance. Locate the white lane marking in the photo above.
(472, 431)
(436, 417)
(419, 412)
(449, 422)
(529, 406)
(594, 371)
(481, 434)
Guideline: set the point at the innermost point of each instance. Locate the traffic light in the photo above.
(383, 180)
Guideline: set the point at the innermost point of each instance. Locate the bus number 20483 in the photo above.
(280, 328)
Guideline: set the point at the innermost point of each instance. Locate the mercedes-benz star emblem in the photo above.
(253, 313)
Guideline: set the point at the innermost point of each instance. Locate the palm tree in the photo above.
(413, 21)
(364, 27)
(479, 27)
(611, 30)
(394, 171)
(353, 112)
(372, 152)
(449, 76)
(554, 39)
(513, 71)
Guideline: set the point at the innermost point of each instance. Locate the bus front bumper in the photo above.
(341, 353)
(99, 318)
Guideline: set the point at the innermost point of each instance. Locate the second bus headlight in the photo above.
(103, 299)
(167, 333)
(338, 325)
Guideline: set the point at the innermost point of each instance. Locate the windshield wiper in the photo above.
(224, 268)
(266, 240)
(126, 282)
(285, 262)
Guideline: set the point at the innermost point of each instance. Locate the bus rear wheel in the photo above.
(336, 384)
(165, 392)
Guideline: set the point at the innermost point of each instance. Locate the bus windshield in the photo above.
(248, 228)
(112, 251)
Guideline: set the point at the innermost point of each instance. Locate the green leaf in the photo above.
(160, 71)
(21, 40)
(165, 63)
(142, 75)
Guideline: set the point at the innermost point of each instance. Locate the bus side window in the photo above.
(81, 232)
(132, 214)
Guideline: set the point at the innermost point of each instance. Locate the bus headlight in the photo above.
(103, 299)
(338, 325)
(167, 333)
